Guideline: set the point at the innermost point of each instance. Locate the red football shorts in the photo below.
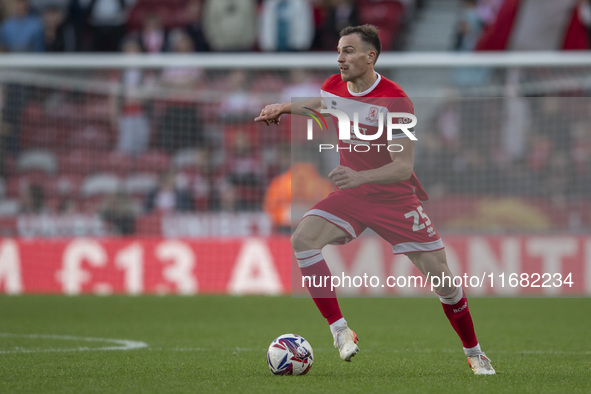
(402, 222)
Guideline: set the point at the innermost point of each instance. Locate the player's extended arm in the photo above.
(272, 112)
(400, 169)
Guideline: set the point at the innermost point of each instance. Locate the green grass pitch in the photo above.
(206, 344)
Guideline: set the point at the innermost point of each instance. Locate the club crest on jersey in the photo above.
(372, 114)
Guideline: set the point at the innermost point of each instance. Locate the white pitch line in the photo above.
(126, 344)
(429, 351)
(205, 349)
(121, 344)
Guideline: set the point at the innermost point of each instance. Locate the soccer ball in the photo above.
(290, 354)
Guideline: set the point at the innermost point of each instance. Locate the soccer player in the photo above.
(375, 189)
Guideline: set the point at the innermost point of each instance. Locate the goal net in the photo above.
(154, 167)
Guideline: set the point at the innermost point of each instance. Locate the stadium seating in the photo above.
(101, 184)
(140, 184)
(9, 207)
(116, 162)
(37, 160)
(63, 185)
(152, 161)
(91, 136)
(172, 13)
(185, 158)
(80, 161)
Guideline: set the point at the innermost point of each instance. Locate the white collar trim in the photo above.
(372, 87)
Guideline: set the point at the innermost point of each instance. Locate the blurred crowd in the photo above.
(167, 156)
(163, 141)
(523, 25)
(182, 139)
(211, 25)
(475, 17)
(537, 147)
(276, 25)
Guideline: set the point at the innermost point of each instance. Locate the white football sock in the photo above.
(452, 298)
(473, 351)
(338, 326)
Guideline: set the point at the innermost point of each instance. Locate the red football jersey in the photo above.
(383, 97)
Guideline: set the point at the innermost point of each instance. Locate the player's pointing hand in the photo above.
(346, 178)
(270, 114)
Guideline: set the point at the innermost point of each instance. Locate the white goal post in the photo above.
(284, 61)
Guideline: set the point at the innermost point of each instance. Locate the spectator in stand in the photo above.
(117, 210)
(488, 10)
(581, 183)
(475, 173)
(195, 26)
(68, 206)
(238, 104)
(230, 25)
(551, 121)
(181, 43)
(128, 106)
(153, 36)
(581, 145)
(286, 25)
(301, 84)
(168, 197)
(181, 125)
(76, 16)
(277, 202)
(196, 177)
(245, 172)
(32, 200)
(296, 190)
(448, 124)
(277, 160)
(468, 32)
(520, 180)
(226, 198)
(558, 179)
(59, 34)
(584, 13)
(39, 6)
(585, 183)
(338, 15)
(433, 162)
(469, 27)
(107, 22)
(22, 31)
(539, 154)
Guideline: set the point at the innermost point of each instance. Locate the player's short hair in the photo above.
(368, 34)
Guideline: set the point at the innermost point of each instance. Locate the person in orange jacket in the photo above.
(293, 193)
